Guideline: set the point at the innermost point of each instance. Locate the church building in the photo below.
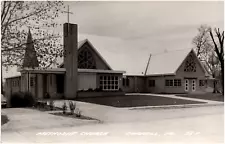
(95, 67)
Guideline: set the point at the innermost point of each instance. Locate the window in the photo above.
(86, 59)
(151, 83)
(190, 65)
(109, 83)
(170, 82)
(31, 81)
(126, 82)
(173, 82)
(201, 82)
(177, 82)
(167, 83)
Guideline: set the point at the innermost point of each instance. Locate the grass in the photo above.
(4, 119)
(207, 96)
(136, 100)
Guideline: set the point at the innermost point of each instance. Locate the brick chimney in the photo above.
(70, 60)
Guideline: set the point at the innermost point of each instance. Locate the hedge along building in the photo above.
(112, 64)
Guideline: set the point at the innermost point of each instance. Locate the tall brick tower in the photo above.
(70, 60)
(30, 58)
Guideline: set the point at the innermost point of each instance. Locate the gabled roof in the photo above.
(167, 63)
(117, 53)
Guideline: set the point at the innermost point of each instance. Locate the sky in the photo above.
(154, 25)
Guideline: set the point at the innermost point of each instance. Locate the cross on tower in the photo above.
(68, 15)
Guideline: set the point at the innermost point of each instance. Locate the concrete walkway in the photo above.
(26, 119)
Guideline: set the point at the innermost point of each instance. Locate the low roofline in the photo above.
(100, 71)
(63, 70)
(13, 77)
(166, 74)
(44, 70)
(137, 75)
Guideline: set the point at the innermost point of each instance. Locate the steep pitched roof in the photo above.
(30, 59)
(168, 62)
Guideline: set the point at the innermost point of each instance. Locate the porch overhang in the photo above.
(99, 71)
(44, 70)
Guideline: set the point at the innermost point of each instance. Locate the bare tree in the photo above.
(219, 49)
(39, 16)
(205, 52)
(202, 42)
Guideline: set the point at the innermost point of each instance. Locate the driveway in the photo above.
(205, 122)
(26, 119)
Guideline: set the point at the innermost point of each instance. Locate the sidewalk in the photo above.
(109, 114)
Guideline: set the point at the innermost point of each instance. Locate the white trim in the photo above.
(99, 71)
(166, 74)
(63, 70)
(43, 70)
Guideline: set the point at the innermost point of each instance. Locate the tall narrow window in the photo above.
(31, 81)
(126, 82)
(151, 83)
(86, 60)
(201, 83)
(190, 65)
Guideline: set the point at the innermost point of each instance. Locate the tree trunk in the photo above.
(214, 83)
(222, 72)
(2, 84)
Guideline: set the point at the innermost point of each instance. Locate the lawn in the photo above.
(135, 101)
(4, 119)
(207, 96)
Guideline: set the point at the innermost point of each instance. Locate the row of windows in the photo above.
(15, 83)
(109, 82)
(173, 82)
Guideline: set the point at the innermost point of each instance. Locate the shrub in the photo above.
(98, 90)
(78, 112)
(64, 107)
(72, 106)
(29, 99)
(22, 99)
(46, 96)
(51, 104)
(90, 90)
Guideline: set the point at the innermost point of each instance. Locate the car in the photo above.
(3, 100)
